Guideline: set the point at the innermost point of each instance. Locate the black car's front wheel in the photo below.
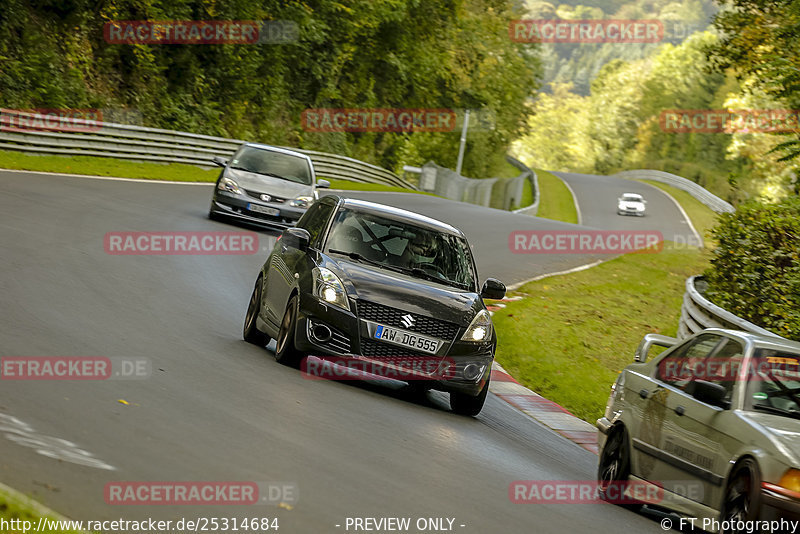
(250, 332)
(285, 351)
(469, 405)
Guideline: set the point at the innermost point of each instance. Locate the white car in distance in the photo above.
(631, 204)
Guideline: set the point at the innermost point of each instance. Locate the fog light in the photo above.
(473, 371)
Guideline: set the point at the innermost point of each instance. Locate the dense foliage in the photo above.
(755, 271)
(760, 41)
(452, 54)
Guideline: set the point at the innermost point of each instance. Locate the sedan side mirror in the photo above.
(493, 289)
(648, 341)
(298, 238)
(219, 161)
(708, 392)
(323, 184)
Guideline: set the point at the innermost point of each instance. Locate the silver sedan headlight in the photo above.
(226, 184)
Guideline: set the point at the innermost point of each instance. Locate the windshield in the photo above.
(403, 247)
(270, 163)
(631, 198)
(774, 382)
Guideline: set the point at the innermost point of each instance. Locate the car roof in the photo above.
(761, 341)
(277, 149)
(398, 214)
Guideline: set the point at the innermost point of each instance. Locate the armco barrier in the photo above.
(446, 183)
(530, 175)
(694, 189)
(166, 146)
(698, 313)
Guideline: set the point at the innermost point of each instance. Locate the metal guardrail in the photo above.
(75, 137)
(694, 189)
(446, 183)
(698, 313)
(530, 175)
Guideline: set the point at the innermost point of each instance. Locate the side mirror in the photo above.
(323, 184)
(648, 341)
(493, 289)
(298, 238)
(219, 161)
(708, 392)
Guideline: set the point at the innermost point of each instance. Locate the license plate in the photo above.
(404, 338)
(264, 209)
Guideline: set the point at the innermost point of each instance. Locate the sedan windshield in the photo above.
(271, 163)
(631, 198)
(774, 382)
(403, 247)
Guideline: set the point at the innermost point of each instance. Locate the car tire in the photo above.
(468, 405)
(742, 498)
(250, 331)
(285, 351)
(614, 467)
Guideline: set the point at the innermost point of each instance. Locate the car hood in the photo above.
(405, 292)
(783, 432)
(267, 184)
(627, 205)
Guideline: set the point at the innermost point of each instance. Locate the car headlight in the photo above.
(329, 288)
(480, 329)
(301, 202)
(226, 184)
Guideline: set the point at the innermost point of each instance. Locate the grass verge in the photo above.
(16, 511)
(703, 219)
(570, 335)
(555, 199)
(121, 168)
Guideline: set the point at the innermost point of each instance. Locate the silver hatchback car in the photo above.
(265, 185)
(712, 423)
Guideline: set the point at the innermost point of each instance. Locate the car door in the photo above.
(696, 434)
(656, 432)
(284, 261)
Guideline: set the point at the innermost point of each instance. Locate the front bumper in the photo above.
(238, 207)
(776, 506)
(348, 336)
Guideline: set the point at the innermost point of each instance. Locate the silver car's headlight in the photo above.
(329, 288)
(226, 184)
(480, 329)
(301, 202)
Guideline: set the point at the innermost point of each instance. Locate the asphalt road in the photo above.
(216, 408)
(596, 197)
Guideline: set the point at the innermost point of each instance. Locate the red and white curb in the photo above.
(542, 410)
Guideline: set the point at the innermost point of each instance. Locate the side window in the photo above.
(315, 219)
(723, 366)
(678, 368)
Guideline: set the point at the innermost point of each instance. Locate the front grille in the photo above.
(389, 316)
(256, 194)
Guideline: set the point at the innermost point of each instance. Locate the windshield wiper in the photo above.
(359, 257)
(777, 411)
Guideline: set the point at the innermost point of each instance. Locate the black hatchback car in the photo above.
(362, 281)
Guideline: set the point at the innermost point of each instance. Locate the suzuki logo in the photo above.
(266, 198)
(407, 320)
